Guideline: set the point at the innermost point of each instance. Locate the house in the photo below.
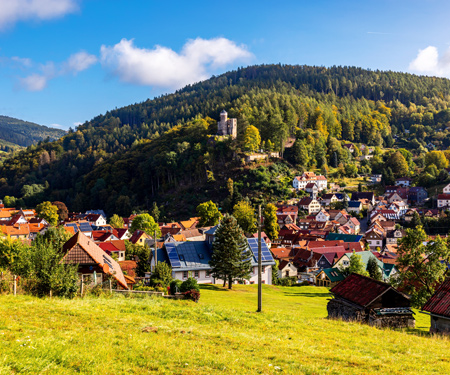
(111, 249)
(191, 234)
(309, 204)
(96, 219)
(417, 194)
(403, 181)
(192, 257)
(291, 210)
(375, 178)
(354, 225)
(300, 182)
(328, 199)
(374, 238)
(438, 307)
(329, 277)
(354, 206)
(443, 200)
(312, 189)
(350, 147)
(189, 224)
(393, 236)
(80, 226)
(281, 253)
(19, 232)
(93, 263)
(369, 195)
(139, 237)
(287, 269)
(323, 216)
(446, 189)
(362, 299)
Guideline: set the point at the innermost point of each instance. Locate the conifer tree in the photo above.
(373, 269)
(231, 257)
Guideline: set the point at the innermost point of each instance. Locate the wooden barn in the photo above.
(93, 263)
(362, 299)
(438, 306)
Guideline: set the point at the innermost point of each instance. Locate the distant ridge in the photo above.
(24, 133)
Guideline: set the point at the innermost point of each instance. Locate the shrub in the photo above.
(192, 294)
(175, 286)
(287, 281)
(189, 284)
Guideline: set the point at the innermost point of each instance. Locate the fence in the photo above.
(8, 283)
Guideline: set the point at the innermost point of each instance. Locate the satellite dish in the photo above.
(105, 268)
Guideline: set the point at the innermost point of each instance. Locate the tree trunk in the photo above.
(230, 282)
(224, 282)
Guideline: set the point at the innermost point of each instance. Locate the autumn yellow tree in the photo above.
(252, 139)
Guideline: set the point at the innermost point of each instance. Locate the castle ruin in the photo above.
(227, 126)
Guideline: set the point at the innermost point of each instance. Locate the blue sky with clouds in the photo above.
(63, 62)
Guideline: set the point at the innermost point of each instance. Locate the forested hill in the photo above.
(23, 133)
(317, 105)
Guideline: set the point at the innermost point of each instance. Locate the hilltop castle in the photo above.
(227, 126)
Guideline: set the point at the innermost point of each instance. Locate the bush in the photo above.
(189, 284)
(192, 294)
(287, 281)
(175, 286)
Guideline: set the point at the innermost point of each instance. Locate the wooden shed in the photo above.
(360, 298)
(92, 260)
(438, 306)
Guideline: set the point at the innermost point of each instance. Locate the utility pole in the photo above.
(156, 249)
(259, 262)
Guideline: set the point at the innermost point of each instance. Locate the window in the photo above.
(208, 274)
(345, 262)
(287, 273)
(196, 274)
(185, 274)
(263, 269)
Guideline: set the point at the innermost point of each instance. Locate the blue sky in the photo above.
(62, 62)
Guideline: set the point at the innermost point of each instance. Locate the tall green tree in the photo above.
(422, 264)
(209, 214)
(373, 269)
(231, 257)
(271, 227)
(155, 212)
(245, 216)
(147, 224)
(48, 212)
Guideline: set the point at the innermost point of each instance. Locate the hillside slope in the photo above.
(24, 133)
(317, 105)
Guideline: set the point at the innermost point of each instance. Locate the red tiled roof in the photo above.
(281, 252)
(439, 303)
(360, 290)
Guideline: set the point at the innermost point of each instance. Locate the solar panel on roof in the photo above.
(173, 255)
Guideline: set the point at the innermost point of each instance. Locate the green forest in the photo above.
(161, 148)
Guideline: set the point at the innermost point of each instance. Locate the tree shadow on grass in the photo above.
(214, 288)
(324, 294)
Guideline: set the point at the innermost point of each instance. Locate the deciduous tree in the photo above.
(209, 214)
(48, 212)
(271, 227)
(245, 216)
(116, 221)
(145, 223)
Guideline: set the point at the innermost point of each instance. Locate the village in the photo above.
(318, 237)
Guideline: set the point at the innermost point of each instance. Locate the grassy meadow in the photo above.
(220, 334)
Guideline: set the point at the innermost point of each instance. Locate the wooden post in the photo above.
(156, 248)
(15, 285)
(110, 286)
(259, 262)
(81, 286)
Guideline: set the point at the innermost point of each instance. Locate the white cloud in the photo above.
(34, 82)
(79, 61)
(429, 62)
(77, 123)
(12, 11)
(74, 64)
(25, 62)
(163, 67)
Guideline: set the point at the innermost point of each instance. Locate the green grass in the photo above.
(221, 334)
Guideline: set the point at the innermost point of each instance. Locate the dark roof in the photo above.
(333, 274)
(363, 290)
(362, 195)
(439, 303)
(354, 204)
(344, 237)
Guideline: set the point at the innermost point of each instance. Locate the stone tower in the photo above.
(227, 126)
